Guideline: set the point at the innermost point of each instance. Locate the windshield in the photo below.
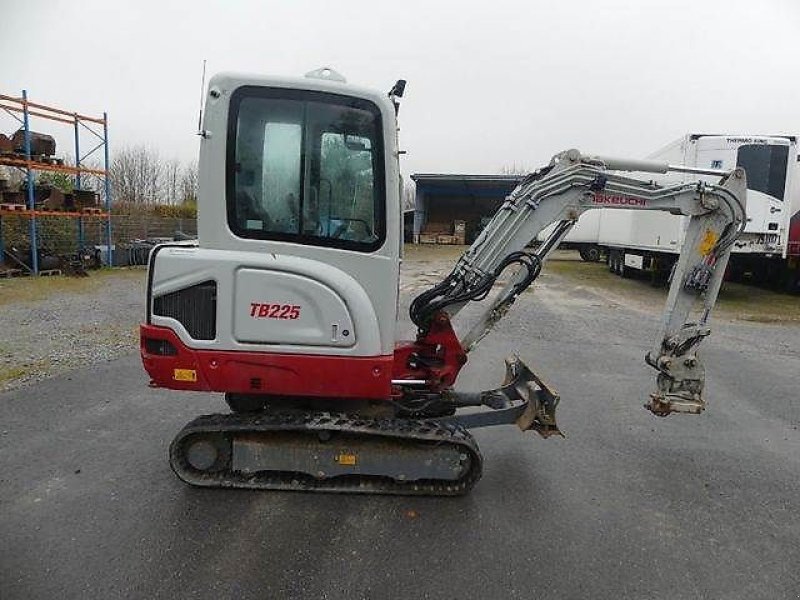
(765, 166)
(305, 167)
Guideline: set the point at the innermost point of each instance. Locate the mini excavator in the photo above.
(288, 300)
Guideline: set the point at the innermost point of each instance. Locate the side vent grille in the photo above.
(160, 347)
(194, 307)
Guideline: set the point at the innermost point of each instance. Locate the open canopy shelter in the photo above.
(443, 199)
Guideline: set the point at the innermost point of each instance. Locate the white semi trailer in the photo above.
(767, 252)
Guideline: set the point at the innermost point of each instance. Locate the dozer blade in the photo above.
(541, 399)
(523, 399)
(327, 452)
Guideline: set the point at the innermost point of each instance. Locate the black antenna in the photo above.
(202, 92)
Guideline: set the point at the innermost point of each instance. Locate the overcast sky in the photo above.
(490, 83)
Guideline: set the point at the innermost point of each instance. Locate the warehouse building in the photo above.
(453, 209)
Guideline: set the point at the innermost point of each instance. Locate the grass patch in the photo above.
(31, 289)
(10, 373)
(736, 301)
(7, 374)
(592, 273)
(750, 303)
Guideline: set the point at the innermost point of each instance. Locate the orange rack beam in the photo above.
(41, 166)
(56, 111)
(53, 213)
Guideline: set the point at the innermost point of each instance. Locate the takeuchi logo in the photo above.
(617, 200)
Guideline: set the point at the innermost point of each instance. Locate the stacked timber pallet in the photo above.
(451, 232)
(427, 238)
(432, 231)
(460, 232)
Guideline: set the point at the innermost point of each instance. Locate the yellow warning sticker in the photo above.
(346, 459)
(707, 243)
(184, 375)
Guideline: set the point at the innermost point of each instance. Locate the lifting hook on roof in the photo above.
(326, 73)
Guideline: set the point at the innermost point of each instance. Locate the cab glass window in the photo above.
(305, 167)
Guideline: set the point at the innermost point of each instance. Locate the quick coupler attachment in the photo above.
(680, 383)
(522, 399)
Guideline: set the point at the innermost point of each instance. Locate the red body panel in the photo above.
(436, 357)
(267, 373)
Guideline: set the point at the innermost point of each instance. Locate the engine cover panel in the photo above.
(274, 307)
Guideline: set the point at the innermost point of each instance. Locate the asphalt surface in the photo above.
(627, 506)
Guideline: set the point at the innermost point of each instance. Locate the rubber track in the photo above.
(428, 430)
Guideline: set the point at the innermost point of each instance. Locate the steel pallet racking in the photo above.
(26, 162)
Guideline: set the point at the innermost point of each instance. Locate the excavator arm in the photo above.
(559, 193)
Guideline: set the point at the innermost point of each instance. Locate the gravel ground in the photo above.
(68, 324)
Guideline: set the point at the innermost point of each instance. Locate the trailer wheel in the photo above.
(590, 253)
(616, 263)
(613, 261)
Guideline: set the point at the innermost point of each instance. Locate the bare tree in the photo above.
(137, 175)
(515, 169)
(173, 181)
(89, 181)
(188, 192)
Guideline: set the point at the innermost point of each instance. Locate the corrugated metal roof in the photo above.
(464, 178)
(486, 186)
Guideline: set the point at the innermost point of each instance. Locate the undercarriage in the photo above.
(419, 445)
